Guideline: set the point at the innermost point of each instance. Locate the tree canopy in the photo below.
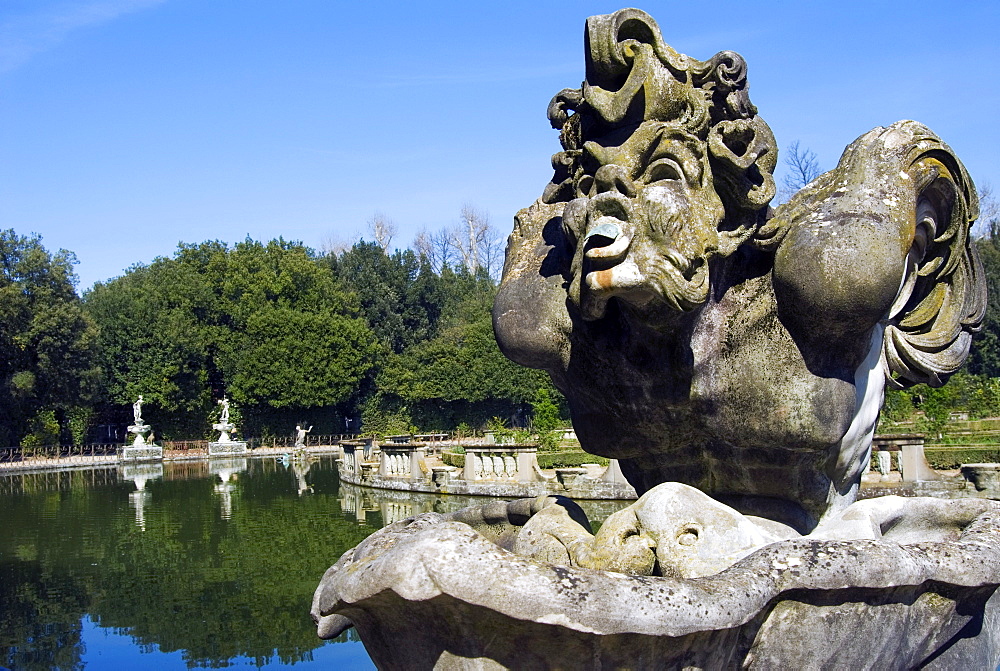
(47, 342)
(264, 323)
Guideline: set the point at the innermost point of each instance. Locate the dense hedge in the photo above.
(545, 459)
(947, 458)
(568, 459)
(453, 458)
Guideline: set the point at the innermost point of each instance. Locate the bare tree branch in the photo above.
(334, 245)
(802, 169)
(989, 213)
(423, 245)
(383, 229)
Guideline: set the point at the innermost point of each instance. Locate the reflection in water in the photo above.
(138, 502)
(226, 469)
(213, 562)
(92, 558)
(140, 474)
(299, 468)
(392, 506)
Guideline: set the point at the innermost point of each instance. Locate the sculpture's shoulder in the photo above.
(883, 239)
(753, 382)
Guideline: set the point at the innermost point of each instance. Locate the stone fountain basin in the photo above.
(983, 476)
(428, 592)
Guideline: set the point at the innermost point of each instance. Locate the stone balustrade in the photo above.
(509, 471)
(402, 460)
(352, 452)
(514, 463)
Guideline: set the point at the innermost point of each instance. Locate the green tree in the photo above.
(156, 339)
(460, 375)
(985, 356)
(47, 343)
(264, 323)
(399, 293)
(545, 411)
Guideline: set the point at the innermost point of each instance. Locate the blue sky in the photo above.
(127, 126)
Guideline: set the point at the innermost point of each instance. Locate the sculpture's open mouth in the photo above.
(607, 243)
(618, 261)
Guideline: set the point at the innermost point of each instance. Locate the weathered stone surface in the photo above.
(142, 453)
(701, 338)
(801, 603)
(227, 448)
(984, 477)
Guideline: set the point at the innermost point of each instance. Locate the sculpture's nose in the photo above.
(614, 178)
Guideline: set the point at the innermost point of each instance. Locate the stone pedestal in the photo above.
(142, 453)
(139, 450)
(226, 448)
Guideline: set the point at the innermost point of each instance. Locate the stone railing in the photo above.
(515, 463)
(352, 454)
(402, 460)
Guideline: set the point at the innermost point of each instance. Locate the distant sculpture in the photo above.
(300, 435)
(137, 411)
(224, 415)
(225, 445)
(143, 447)
(733, 358)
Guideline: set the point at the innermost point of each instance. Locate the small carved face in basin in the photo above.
(644, 223)
(687, 533)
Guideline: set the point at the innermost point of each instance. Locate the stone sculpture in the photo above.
(224, 413)
(700, 337)
(138, 427)
(142, 448)
(137, 411)
(733, 358)
(225, 446)
(300, 435)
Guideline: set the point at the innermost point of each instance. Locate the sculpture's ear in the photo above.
(942, 299)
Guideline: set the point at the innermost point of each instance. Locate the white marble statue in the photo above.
(137, 411)
(300, 435)
(224, 416)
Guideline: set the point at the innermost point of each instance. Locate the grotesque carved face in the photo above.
(644, 223)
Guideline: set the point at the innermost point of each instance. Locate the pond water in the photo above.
(189, 572)
(184, 564)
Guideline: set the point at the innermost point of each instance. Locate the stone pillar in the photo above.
(417, 456)
(614, 474)
(527, 465)
(471, 470)
(913, 464)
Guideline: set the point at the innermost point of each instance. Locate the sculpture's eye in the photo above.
(585, 186)
(688, 534)
(664, 169)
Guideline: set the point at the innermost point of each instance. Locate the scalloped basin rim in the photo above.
(419, 558)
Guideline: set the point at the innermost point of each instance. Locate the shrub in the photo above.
(569, 459)
(949, 458)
